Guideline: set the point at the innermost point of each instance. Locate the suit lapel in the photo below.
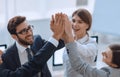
(16, 56)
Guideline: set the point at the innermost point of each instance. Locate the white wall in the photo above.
(106, 16)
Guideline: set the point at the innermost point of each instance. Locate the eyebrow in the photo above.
(25, 28)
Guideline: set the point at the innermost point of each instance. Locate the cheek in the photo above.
(106, 60)
(21, 38)
(103, 59)
(75, 26)
(86, 28)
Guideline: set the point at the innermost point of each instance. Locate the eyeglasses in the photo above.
(25, 30)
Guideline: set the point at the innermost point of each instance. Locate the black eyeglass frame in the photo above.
(25, 30)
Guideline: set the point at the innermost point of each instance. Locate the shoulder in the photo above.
(106, 69)
(11, 48)
(110, 70)
(37, 37)
(38, 43)
(10, 51)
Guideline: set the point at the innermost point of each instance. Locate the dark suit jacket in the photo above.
(11, 59)
(32, 67)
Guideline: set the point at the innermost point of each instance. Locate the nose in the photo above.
(75, 25)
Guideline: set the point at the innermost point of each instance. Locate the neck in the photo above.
(23, 45)
(79, 37)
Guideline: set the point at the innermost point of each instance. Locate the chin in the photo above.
(31, 42)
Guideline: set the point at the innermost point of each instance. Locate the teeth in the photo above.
(77, 30)
(29, 37)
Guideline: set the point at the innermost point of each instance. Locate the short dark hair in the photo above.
(14, 22)
(115, 54)
(84, 15)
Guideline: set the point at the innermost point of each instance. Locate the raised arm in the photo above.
(32, 67)
(80, 66)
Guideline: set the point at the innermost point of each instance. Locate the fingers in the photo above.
(52, 22)
(61, 26)
(57, 25)
(59, 19)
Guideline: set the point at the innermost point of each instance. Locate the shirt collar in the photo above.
(20, 47)
(84, 39)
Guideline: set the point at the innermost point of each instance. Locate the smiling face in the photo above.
(108, 57)
(81, 22)
(24, 34)
(79, 26)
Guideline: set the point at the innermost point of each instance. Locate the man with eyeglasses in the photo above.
(16, 55)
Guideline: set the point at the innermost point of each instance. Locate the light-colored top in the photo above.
(87, 48)
(84, 68)
(23, 54)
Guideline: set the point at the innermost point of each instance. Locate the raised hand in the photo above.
(68, 36)
(57, 25)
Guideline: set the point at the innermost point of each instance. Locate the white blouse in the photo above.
(87, 48)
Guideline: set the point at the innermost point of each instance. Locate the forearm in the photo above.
(74, 57)
(32, 67)
(23, 71)
(79, 65)
(44, 54)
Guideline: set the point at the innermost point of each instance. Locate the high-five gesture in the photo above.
(68, 35)
(57, 25)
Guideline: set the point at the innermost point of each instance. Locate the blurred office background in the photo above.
(106, 21)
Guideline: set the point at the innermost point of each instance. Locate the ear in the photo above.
(14, 36)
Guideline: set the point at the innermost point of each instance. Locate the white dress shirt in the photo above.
(23, 54)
